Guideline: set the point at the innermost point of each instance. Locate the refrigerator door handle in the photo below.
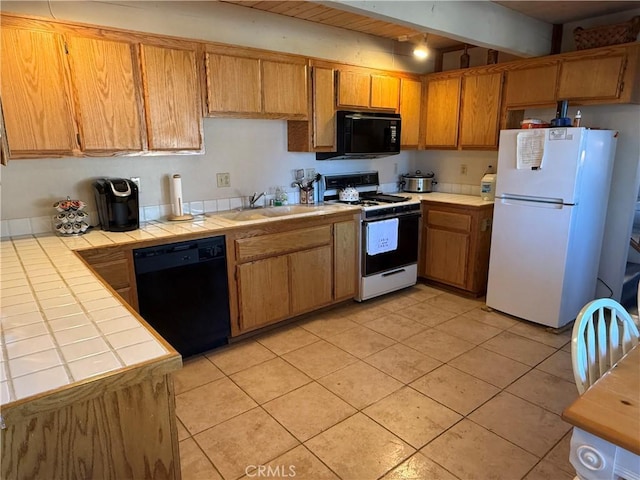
(509, 198)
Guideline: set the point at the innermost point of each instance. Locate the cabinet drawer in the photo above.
(282, 243)
(455, 221)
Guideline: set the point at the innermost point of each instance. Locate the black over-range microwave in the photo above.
(361, 135)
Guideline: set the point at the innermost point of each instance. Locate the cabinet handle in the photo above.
(395, 272)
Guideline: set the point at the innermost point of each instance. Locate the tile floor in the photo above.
(419, 384)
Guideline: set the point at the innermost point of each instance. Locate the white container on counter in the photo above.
(488, 185)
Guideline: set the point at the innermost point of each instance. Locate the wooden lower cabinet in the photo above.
(122, 425)
(455, 245)
(276, 274)
(114, 265)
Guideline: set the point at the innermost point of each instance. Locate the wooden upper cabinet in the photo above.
(385, 91)
(480, 113)
(535, 85)
(284, 88)
(105, 80)
(354, 89)
(324, 114)
(172, 98)
(410, 108)
(443, 106)
(592, 78)
(367, 90)
(233, 84)
(36, 100)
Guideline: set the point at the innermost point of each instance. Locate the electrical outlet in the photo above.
(136, 180)
(395, 168)
(310, 173)
(224, 179)
(463, 169)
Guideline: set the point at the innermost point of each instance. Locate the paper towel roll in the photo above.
(176, 195)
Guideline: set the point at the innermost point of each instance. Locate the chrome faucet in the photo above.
(254, 198)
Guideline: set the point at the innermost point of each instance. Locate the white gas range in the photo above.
(390, 226)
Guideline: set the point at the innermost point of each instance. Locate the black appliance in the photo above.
(183, 293)
(117, 202)
(362, 135)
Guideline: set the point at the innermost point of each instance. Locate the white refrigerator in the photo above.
(551, 199)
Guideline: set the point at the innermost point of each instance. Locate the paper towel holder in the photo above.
(175, 186)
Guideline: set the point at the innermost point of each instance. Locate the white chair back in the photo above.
(602, 334)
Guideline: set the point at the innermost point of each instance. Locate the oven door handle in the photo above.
(395, 272)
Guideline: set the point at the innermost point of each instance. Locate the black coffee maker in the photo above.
(117, 202)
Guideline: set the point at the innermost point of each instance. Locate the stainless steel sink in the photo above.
(264, 213)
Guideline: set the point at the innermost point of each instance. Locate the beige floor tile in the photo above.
(399, 300)
(418, 467)
(360, 384)
(467, 329)
(490, 367)
(519, 348)
(559, 455)
(493, 318)
(453, 303)
(426, 314)
(567, 348)
(455, 389)
(252, 438)
(546, 470)
(196, 371)
(412, 416)
(328, 324)
(471, 452)
(245, 354)
(319, 359)
(360, 341)
(395, 326)
(194, 464)
(363, 312)
(182, 430)
(438, 344)
(358, 448)
(559, 364)
(270, 379)
(286, 340)
(402, 363)
(210, 404)
(309, 410)
(298, 463)
(545, 390)
(527, 425)
(541, 334)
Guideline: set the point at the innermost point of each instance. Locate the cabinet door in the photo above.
(263, 288)
(172, 98)
(107, 94)
(233, 84)
(443, 106)
(531, 86)
(385, 91)
(345, 246)
(354, 89)
(284, 89)
(446, 256)
(480, 113)
(36, 100)
(311, 279)
(410, 102)
(324, 116)
(592, 78)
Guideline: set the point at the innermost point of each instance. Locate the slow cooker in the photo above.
(417, 182)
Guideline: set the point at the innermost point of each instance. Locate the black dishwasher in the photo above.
(183, 293)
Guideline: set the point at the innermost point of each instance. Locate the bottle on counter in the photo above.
(488, 184)
(577, 119)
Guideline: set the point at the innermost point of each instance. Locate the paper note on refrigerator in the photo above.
(530, 150)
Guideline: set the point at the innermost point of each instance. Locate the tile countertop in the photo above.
(60, 325)
(468, 200)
